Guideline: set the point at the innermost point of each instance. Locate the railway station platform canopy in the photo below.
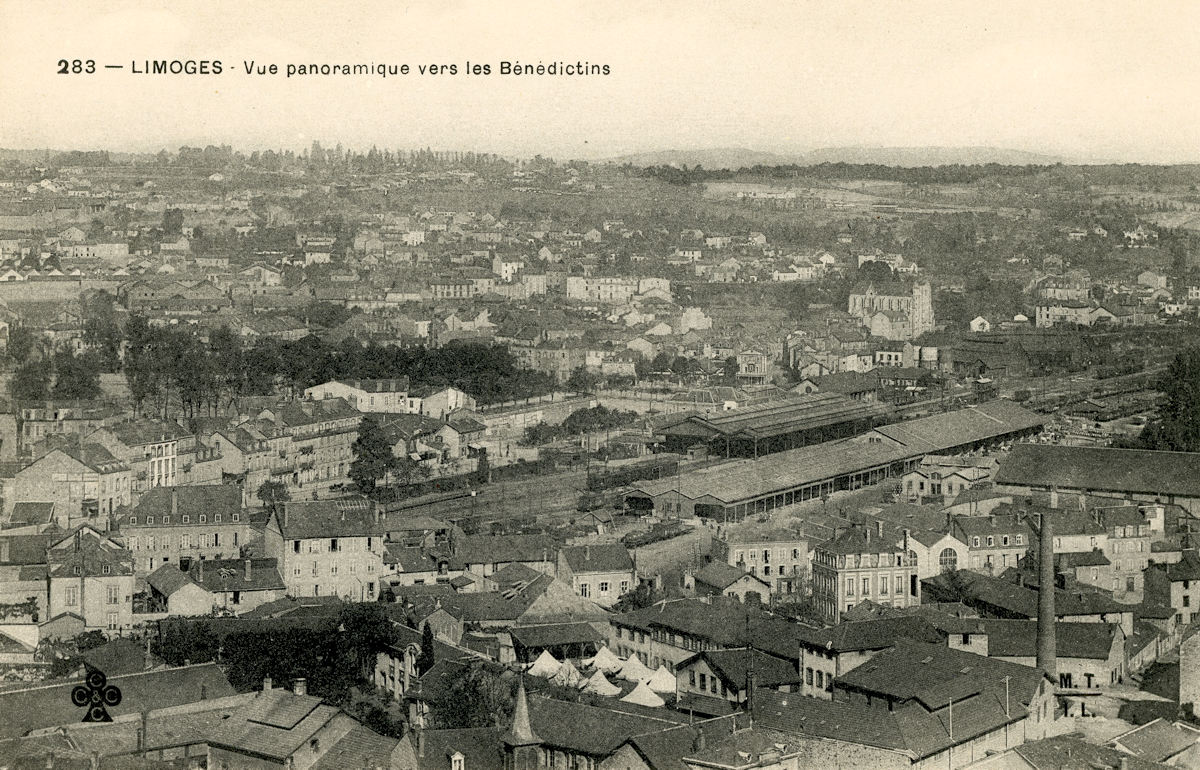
(731, 491)
(774, 426)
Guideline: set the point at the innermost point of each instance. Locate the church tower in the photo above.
(521, 746)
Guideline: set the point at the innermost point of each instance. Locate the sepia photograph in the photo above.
(718, 385)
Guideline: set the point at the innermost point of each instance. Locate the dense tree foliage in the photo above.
(1177, 427)
(373, 458)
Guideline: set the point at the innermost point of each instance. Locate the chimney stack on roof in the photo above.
(266, 684)
(300, 686)
(174, 501)
(247, 570)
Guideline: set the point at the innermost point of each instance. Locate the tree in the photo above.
(76, 377)
(581, 380)
(272, 494)
(364, 628)
(31, 381)
(21, 343)
(172, 223)
(1177, 427)
(373, 458)
(483, 696)
(428, 654)
(729, 371)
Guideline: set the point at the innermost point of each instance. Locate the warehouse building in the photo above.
(1135, 474)
(731, 491)
(777, 426)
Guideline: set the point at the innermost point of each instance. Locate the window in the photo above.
(585, 590)
(133, 519)
(237, 517)
(1187, 600)
(767, 569)
(295, 546)
(203, 518)
(111, 595)
(866, 587)
(133, 543)
(72, 596)
(216, 518)
(883, 588)
(692, 677)
(703, 681)
(1020, 539)
(112, 621)
(166, 519)
(1004, 540)
(187, 519)
(295, 571)
(106, 569)
(333, 569)
(849, 586)
(624, 586)
(948, 559)
(603, 587)
(975, 542)
(333, 545)
(991, 541)
(149, 519)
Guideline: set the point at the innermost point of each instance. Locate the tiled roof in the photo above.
(481, 747)
(275, 724)
(1018, 639)
(47, 705)
(735, 667)
(720, 575)
(590, 729)
(602, 557)
(31, 513)
(348, 517)
(1157, 741)
(1102, 469)
(190, 501)
(877, 634)
(359, 748)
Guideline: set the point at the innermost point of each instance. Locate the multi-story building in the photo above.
(365, 395)
(601, 572)
(778, 556)
(85, 483)
(615, 289)
(43, 419)
(150, 449)
(328, 548)
(1127, 546)
(180, 525)
(315, 437)
(863, 562)
(995, 542)
(91, 575)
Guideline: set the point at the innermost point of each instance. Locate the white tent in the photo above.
(600, 685)
(643, 696)
(605, 661)
(546, 665)
(662, 680)
(567, 675)
(634, 670)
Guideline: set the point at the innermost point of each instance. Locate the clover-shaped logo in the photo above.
(96, 693)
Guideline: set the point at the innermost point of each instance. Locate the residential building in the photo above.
(365, 395)
(181, 525)
(90, 575)
(779, 557)
(86, 483)
(328, 548)
(863, 562)
(600, 572)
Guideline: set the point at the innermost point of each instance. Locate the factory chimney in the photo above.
(1046, 645)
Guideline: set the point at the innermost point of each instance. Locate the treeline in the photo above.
(167, 366)
(949, 174)
(577, 423)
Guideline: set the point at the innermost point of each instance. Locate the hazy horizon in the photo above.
(1085, 82)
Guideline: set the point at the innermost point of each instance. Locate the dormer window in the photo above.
(106, 569)
(166, 519)
(456, 762)
(78, 570)
(133, 519)
(187, 519)
(237, 517)
(216, 518)
(149, 519)
(203, 519)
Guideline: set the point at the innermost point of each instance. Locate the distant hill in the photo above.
(929, 156)
(716, 158)
(736, 157)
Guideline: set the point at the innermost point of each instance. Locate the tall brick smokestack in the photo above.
(1046, 646)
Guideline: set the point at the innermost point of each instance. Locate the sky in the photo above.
(1081, 80)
